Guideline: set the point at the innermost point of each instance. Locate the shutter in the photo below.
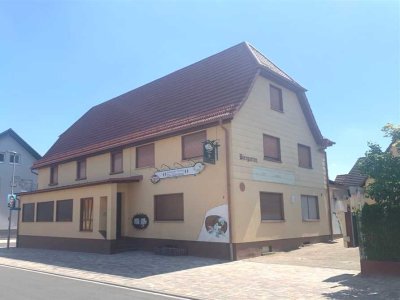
(168, 207)
(276, 98)
(45, 211)
(145, 156)
(272, 149)
(192, 145)
(28, 212)
(271, 205)
(304, 156)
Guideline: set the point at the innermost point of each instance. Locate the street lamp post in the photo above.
(12, 193)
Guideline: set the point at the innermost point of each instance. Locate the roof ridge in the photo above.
(256, 53)
(173, 72)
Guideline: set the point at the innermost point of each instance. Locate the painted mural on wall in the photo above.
(273, 175)
(215, 227)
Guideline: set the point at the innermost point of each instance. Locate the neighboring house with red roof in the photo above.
(137, 170)
(14, 149)
(347, 196)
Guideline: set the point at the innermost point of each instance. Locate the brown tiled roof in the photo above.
(205, 92)
(354, 178)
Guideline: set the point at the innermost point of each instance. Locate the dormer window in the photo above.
(276, 98)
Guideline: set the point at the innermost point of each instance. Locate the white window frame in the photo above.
(15, 155)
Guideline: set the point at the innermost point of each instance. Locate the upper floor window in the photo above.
(276, 98)
(15, 157)
(304, 153)
(309, 207)
(53, 175)
(116, 162)
(81, 169)
(272, 148)
(2, 157)
(192, 145)
(271, 206)
(145, 156)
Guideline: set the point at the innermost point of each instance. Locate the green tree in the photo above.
(384, 169)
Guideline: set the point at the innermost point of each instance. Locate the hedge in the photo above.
(380, 232)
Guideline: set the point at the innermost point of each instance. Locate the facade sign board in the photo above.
(185, 171)
(210, 152)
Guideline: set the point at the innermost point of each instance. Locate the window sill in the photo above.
(277, 110)
(64, 221)
(145, 167)
(303, 167)
(53, 184)
(88, 231)
(79, 179)
(311, 220)
(273, 221)
(272, 159)
(115, 173)
(169, 221)
(44, 221)
(197, 159)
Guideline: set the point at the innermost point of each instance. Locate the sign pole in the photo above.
(10, 208)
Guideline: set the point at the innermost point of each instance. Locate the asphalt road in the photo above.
(18, 284)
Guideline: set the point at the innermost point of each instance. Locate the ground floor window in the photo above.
(86, 219)
(168, 207)
(64, 210)
(28, 212)
(271, 206)
(45, 211)
(309, 207)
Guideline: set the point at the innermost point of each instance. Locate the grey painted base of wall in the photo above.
(69, 244)
(194, 248)
(337, 236)
(252, 249)
(372, 267)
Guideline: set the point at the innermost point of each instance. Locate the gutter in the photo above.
(228, 187)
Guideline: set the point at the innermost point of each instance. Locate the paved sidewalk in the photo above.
(291, 275)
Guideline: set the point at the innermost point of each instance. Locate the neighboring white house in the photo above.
(24, 179)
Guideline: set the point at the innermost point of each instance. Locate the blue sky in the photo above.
(60, 58)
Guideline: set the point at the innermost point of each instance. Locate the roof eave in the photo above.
(109, 145)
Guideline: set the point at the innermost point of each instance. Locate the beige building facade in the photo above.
(267, 189)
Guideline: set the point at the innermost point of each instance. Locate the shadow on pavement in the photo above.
(133, 264)
(365, 287)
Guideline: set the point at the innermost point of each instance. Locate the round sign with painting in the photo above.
(140, 221)
(216, 225)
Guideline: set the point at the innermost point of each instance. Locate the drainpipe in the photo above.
(228, 187)
(329, 198)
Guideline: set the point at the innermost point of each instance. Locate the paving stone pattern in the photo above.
(320, 271)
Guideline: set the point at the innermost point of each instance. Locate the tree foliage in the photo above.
(384, 169)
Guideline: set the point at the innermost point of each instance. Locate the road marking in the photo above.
(170, 296)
